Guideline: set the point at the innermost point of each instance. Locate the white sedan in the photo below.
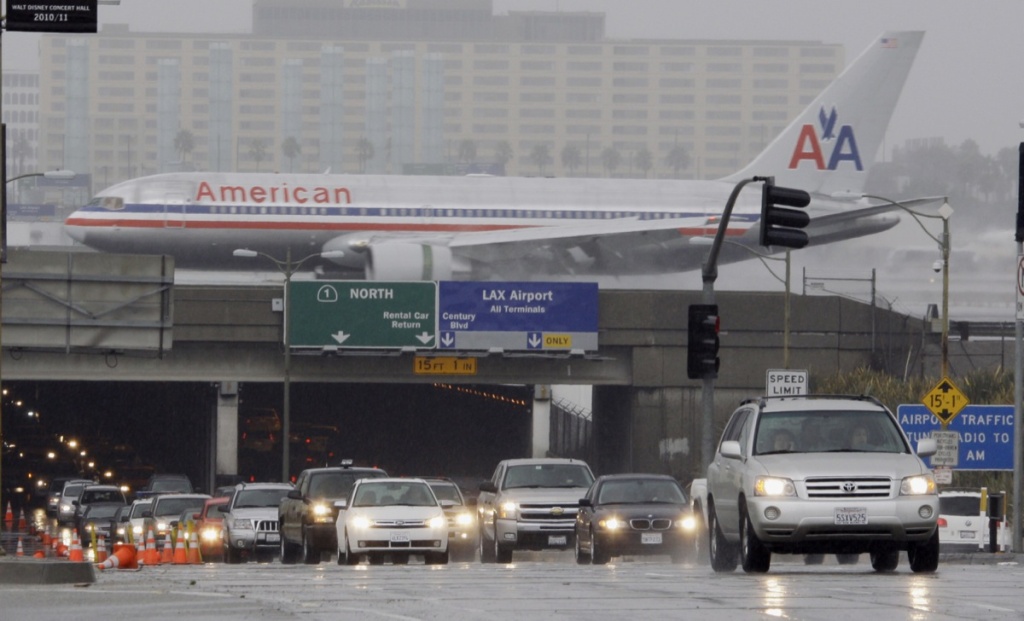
(392, 518)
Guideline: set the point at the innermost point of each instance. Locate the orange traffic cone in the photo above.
(167, 554)
(76, 548)
(9, 516)
(180, 550)
(122, 558)
(39, 554)
(21, 550)
(151, 556)
(194, 556)
(45, 537)
(101, 549)
(22, 523)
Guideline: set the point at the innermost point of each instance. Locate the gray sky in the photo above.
(965, 83)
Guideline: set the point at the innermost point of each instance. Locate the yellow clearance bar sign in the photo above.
(424, 365)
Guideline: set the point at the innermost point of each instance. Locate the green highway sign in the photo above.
(361, 314)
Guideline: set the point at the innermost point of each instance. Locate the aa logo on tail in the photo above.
(809, 146)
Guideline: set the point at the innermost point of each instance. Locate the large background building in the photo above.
(417, 86)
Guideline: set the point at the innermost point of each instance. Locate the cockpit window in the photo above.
(110, 203)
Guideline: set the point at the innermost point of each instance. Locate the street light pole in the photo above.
(287, 267)
(945, 211)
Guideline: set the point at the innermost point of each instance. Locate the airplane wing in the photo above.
(620, 246)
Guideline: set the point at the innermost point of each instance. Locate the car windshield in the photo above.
(640, 491)
(171, 485)
(102, 495)
(446, 491)
(174, 506)
(336, 484)
(138, 508)
(828, 432)
(388, 493)
(251, 498)
(548, 475)
(101, 511)
(73, 491)
(959, 505)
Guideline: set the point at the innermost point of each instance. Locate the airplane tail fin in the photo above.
(829, 148)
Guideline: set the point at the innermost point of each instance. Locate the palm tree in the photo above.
(540, 156)
(644, 160)
(184, 144)
(571, 158)
(467, 151)
(21, 149)
(291, 149)
(258, 151)
(610, 159)
(503, 153)
(365, 152)
(677, 159)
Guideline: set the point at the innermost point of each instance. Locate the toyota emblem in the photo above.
(849, 487)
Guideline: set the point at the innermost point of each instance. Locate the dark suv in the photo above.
(307, 514)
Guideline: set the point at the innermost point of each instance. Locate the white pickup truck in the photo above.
(817, 475)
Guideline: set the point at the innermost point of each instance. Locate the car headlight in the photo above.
(120, 530)
(137, 530)
(917, 485)
(211, 534)
(773, 486)
(508, 509)
(687, 523)
(89, 527)
(161, 526)
(464, 519)
(611, 523)
(241, 524)
(65, 508)
(323, 513)
(438, 521)
(361, 521)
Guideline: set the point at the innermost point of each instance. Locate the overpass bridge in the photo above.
(93, 317)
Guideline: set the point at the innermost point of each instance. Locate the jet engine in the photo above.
(403, 261)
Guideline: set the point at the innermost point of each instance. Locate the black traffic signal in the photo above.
(702, 346)
(779, 224)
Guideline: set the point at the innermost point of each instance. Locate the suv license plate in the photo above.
(272, 538)
(399, 538)
(851, 516)
(557, 540)
(651, 538)
(967, 534)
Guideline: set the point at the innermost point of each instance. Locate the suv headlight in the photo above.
(361, 522)
(241, 524)
(438, 521)
(773, 486)
(507, 509)
(322, 513)
(612, 523)
(464, 519)
(917, 485)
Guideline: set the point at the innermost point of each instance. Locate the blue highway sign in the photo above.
(986, 433)
(517, 316)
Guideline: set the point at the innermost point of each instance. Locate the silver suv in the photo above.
(250, 520)
(820, 474)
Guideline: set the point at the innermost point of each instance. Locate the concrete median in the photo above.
(43, 571)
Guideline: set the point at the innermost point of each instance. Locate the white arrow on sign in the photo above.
(534, 340)
(425, 338)
(340, 337)
(447, 340)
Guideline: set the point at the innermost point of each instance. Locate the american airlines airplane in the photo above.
(388, 227)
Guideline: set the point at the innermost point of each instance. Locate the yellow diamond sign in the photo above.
(945, 401)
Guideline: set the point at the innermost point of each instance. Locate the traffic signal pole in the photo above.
(709, 274)
(779, 226)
